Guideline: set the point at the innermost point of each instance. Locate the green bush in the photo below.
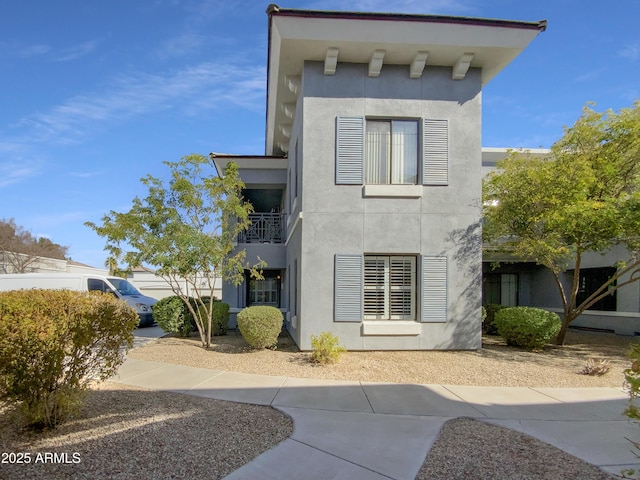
(220, 322)
(171, 314)
(527, 327)
(54, 343)
(326, 348)
(260, 326)
(488, 322)
(220, 317)
(632, 381)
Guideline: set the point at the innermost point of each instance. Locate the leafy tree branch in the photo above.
(186, 228)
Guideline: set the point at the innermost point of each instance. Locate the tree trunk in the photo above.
(566, 321)
(562, 333)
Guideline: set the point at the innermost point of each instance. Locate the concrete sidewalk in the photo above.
(355, 430)
(360, 430)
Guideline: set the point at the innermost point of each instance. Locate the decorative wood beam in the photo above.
(330, 61)
(289, 109)
(293, 83)
(417, 66)
(375, 64)
(462, 66)
(285, 130)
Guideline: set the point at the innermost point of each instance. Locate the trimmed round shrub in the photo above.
(527, 327)
(488, 322)
(54, 343)
(260, 326)
(171, 314)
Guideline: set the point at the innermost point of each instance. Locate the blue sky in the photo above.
(96, 94)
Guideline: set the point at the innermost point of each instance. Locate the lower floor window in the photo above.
(264, 292)
(500, 288)
(389, 287)
(591, 279)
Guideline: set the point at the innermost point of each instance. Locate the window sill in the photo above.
(391, 327)
(398, 191)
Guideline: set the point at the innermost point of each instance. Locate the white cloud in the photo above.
(26, 52)
(398, 6)
(13, 172)
(181, 45)
(631, 52)
(590, 75)
(58, 219)
(16, 50)
(76, 52)
(195, 88)
(95, 173)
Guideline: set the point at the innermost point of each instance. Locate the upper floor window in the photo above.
(386, 152)
(391, 152)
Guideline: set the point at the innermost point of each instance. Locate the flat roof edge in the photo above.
(233, 156)
(274, 9)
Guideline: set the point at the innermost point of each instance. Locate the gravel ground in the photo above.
(125, 432)
(469, 448)
(494, 365)
(131, 433)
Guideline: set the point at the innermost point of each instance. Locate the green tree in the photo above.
(584, 197)
(186, 229)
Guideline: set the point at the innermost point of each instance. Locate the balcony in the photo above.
(265, 228)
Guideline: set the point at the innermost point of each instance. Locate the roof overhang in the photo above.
(248, 162)
(376, 39)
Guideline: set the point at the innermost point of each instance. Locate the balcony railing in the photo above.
(265, 228)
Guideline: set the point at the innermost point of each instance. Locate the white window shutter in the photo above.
(434, 289)
(435, 152)
(348, 288)
(349, 150)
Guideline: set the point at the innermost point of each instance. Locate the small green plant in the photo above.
(172, 316)
(488, 320)
(632, 381)
(596, 367)
(54, 343)
(527, 327)
(326, 348)
(260, 326)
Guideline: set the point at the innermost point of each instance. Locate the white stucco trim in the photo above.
(295, 225)
(391, 327)
(399, 191)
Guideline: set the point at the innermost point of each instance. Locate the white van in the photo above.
(119, 287)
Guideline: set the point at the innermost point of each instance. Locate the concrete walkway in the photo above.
(361, 430)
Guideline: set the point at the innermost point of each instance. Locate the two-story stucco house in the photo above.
(368, 198)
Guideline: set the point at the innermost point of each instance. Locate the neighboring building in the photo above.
(38, 264)
(514, 282)
(157, 287)
(368, 200)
